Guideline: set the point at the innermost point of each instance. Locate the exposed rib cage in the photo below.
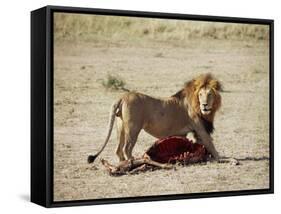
(177, 149)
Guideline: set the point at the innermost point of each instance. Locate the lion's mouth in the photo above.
(205, 110)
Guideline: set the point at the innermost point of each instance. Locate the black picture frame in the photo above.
(42, 104)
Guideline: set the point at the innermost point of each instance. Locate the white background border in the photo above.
(15, 105)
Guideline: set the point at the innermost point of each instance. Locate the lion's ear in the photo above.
(217, 85)
(189, 86)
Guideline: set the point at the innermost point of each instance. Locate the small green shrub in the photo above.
(114, 83)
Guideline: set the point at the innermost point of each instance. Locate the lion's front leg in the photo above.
(217, 158)
(209, 145)
(205, 139)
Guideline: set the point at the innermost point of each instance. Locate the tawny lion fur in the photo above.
(162, 117)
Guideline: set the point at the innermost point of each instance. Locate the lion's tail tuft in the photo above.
(92, 158)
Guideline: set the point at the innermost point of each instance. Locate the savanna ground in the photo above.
(156, 58)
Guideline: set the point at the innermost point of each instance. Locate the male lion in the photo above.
(192, 109)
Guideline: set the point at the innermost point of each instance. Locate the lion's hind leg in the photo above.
(131, 136)
(120, 139)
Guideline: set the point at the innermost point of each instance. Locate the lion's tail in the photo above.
(114, 108)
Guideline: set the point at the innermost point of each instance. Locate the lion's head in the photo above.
(203, 96)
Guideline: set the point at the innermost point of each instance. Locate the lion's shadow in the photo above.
(252, 158)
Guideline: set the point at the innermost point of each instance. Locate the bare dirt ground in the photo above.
(81, 108)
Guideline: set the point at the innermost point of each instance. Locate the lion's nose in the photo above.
(204, 104)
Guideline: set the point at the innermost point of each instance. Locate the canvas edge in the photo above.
(38, 154)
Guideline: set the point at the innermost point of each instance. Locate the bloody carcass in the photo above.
(162, 154)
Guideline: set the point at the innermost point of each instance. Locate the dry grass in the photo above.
(76, 27)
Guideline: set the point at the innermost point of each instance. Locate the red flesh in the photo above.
(177, 149)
